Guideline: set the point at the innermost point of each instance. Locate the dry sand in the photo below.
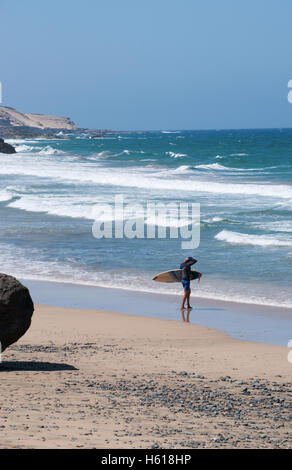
(98, 379)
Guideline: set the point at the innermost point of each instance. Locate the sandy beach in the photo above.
(145, 165)
(99, 379)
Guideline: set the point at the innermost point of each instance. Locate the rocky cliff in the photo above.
(11, 118)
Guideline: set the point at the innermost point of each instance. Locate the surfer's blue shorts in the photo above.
(186, 285)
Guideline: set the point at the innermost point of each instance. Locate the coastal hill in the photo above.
(17, 125)
(12, 117)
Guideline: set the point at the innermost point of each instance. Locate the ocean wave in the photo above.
(70, 172)
(238, 154)
(286, 206)
(58, 206)
(99, 155)
(213, 166)
(181, 169)
(24, 148)
(27, 148)
(48, 150)
(170, 132)
(20, 141)
(278, 226)
(176, 155)
(86, 207)
(170, 222)
(217, 166)
(236, 238)
(5, 195)
(213, 219)
(107, 153)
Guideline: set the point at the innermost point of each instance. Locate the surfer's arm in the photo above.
(191, 261)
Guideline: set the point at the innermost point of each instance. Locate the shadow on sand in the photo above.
(11, 366)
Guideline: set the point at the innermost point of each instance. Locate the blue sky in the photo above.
(149, 64)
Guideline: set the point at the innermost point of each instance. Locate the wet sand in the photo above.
(89, 378)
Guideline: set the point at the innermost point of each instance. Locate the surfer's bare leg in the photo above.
(184, 299)
(188, 298)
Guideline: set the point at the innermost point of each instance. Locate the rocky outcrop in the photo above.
(16, 309)
(6, 148)
(10, 117)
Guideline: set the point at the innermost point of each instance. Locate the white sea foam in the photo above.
(87, 207)
(176, 155)
(23, 148)
(171, 222)
(181, 169)
(213, 166)
(102, 154)
(26, 148)
(170, 132)
(55, 205)
(286, 205)
(278, 226)
(238, 154)
(236, 238)
(48, 150)
(5, 195)
(217, 166)
(213, 219)
(136, 178)
(20, 141)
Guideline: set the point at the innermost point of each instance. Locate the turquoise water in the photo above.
(242, 180)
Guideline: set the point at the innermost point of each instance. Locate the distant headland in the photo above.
(18, 125)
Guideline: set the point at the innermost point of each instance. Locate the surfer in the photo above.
(185, 280)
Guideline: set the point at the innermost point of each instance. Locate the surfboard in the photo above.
(175, 276)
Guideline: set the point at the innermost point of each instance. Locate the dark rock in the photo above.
(155, 446)
(16, 309)
(6, 148)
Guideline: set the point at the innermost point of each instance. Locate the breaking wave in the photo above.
(254, 240)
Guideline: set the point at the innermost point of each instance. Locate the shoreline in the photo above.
(252, 322)
(84, 378)
(156, 292)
